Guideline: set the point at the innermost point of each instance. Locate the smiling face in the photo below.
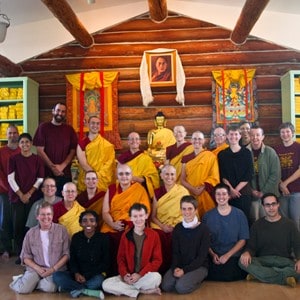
(168, 175)
(222, 196)
(188, 212)
(286, 135)
(49, 187)
(91, 180)
(124, 175)
(59, 113)
(256, 138)
(88, 224)
(233, 137)
(45, 217)
(198, 140)
(25, 145)
(219, 136)
(12, 135)
(134, 141)
(179, 133)
(138, 218)
(94, 125)
(69, 192)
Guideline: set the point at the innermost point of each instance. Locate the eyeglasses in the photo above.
(124, 173)
(70, 192)
(219, 135)
(273, 204)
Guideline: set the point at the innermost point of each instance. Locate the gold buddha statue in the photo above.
(159, 139)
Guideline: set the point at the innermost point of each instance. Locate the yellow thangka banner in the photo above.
(233, 96)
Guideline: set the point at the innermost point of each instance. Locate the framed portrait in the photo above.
(161, 68)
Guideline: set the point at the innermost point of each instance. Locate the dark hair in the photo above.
(245, 122)
(87, 212)
(269, 195)
(160, 114)
(43, 204)
(232, 127)
(189, 199)
(139, 207)
(25, 135)
(59, 103)
(287, 125)
(257, 127)
(222, 185)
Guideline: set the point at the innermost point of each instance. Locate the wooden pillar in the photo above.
(158, 10)
(247, 19)
(64, 13)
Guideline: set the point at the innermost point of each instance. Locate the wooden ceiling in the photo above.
(158, 12)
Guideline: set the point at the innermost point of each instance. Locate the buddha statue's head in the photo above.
(160, 120)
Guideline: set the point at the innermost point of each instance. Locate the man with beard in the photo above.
(56, 144)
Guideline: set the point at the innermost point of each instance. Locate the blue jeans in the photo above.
(290, 207)
(67, 283)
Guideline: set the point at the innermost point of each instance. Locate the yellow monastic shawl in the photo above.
(71, 219)
(100, 155)
(142, 165)
(203, 168)
(219, 149)
(168, 206)
(176, 161)
(120, 204)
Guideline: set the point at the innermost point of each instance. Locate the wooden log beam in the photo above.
(158, 10)
(247, 19)
(64, 13)
(8, 68)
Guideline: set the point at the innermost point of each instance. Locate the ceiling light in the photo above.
(4, 24)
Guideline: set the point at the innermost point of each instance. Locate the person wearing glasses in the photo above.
(141, 164)
(68, 210)
(96, 154)
(272, 253)
(48, 189)
(45, 250)
(117, 201)
(200, 173)
(220, 140)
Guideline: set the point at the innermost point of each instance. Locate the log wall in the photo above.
(203, 47)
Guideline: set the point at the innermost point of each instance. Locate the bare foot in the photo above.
(151, 291)
(5, 256)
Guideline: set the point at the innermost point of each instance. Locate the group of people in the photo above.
(136, 229)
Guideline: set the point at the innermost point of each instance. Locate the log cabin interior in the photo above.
(113, 35)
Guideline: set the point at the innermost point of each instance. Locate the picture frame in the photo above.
(161, 68)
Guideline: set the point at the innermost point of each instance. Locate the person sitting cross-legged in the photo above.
(274, 241)
(89, 259)
(45, 250)
(139, 258)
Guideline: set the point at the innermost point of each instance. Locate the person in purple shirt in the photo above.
(25, 175)
(56, 144)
